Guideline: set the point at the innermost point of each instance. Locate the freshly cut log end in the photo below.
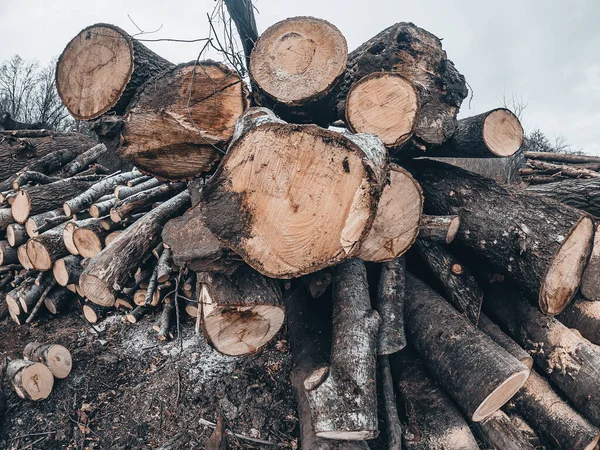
(298, 60)
(31, 381)
(67, 270)
(87, 241)
(23, 258)
(100, 69)
(21, 207)
(590, 285)
(16, 234)
(398, 218)
(384, 104)
(500, 395)
(439, 228)
(93, 313)
(565, 273)
(176, 125)
(502, 132)
(39, 255)
(56, 357)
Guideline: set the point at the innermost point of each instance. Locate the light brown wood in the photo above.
(590, 281)
(502, 132)
(56, 357)
(111, 237)
(23, 258)
(89, 241)
(30, 380)
(384, 104)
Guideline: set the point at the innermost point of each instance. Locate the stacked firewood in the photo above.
(274, 194)
(543, 167)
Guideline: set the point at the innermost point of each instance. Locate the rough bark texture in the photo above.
(179, 124)
(439, 228)
(32, 381)
(101, 209)
(553, 418)
(498, 432)
(45, 249)
(584, 316)
(504, 341)
(569, 362)
(92, 86)
(16, 234)
(122, 192)
(392, 420)
(343, 401)
(8, 254)
(418, 56)
(57, 300)
(38, 222)
(164, 266)
(389, 303)
(112, 265)
(56, 357)
(459, 285)
(467, 363)
(6, 218)
(539, 243)
(590, 281)
(83, 160)
(433, 420)
(242, 14)
(144, 199)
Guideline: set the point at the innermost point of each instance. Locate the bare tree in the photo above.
(515, 103)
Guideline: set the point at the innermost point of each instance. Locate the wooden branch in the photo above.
(389, 303)
(441, 229)
(56, 357)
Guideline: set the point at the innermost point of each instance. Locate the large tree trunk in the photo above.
(539, 243)
(295, 66)
(240, 313)
(441, 229)
(433, 420)
(342, 396)
(261, 204)
(418, 56)
(580, 194)
(584, 316)
(389, 303)
(571, 363)
(111, 266)
(553, 418)
(498, 432)
(479, 374)
(177, 128)
(114, 67)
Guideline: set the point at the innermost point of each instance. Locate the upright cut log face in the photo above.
(396, 224)
(479, 374)
(241, 313)
(45, 249)
(31, 380)
(101, 69)
(539, 243)
(292, 199)
(178, 125)
(418, 56)
(295, 64)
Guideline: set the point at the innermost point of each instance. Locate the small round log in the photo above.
(45, 249)
(56, 357)
(441, 229)
(67, 270)
(16, 234)
(93, 313)
(58, 300)
(31, 380)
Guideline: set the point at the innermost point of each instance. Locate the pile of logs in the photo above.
(246, 210)
(542, 167)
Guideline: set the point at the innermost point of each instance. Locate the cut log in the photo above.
(460, 287)
(101, 69)
(584, 316)
(143, 200)
(28, 298)
(166, 321)
(553, 418)
(295, 66)
(109, 269)
(8, 254)
(137, 314)
(34, 224)
(89, 239)
(40, 301)
(563, 170)
(93, 313)
(241, 313)
(31, 177)
(479, 374)
(590, 281)
(13, 298)
(30, 380)
(498, 432)
(57, 300)
(124, 303)
(439, 228)
(389, 303)
(45, 249)
(562, 157)
(525, 429)
(138, 180)
(569, 362)
(504, 341)
(101, 209)
(342, 396)
(83, 160)
(50, 163)
(110, 237)
(8, 123)
(38, 199)
(96, 191)
(392, 420)
(282, 224)
(16, 234)
(396, 224)
(23, 258)
(6, 218)
(122, 192)
(540, 244)
(67, 270)
(418, 56)
(164, 266)
(433, 420)
(70, 228)
(56, 357)
(177, 127)
(317, 283)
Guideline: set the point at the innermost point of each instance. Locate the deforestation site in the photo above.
(299, 247)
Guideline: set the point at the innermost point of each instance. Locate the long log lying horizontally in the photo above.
(504, 341)
(539, 243)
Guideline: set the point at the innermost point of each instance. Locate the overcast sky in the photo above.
(546, 52)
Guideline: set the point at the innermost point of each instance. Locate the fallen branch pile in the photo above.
(276, 195)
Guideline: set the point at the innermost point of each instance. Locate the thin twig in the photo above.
(243, 437)
(176, 300)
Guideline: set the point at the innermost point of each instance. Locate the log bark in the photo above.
(242, 14)
(8, 123)
(56, 357)
(540, 244)
(23, 258)
(441, 229)
(553, 418)
(504, 341)
(8, 254)
(144, 199)
(40, 301)
(69, 230)
(241, 313)
(166, 321)
(89, 239)
(317, 283)
(136, 315)
(103, 208)
(16, 234)
(525, 429)
(138, 180)
(30, 380)
(295, 66)
(178, 125)
(389, 303)
(392, 420)
(564, 170)
(67, 270)
(418, 56)
(460, 287)
(433, 420)
(58, 300)
(108, 270)
(45, 249)
(590, 281)
(28, 298)
(106, 80)
(31, 177)
(479, 374)
(82, 161)
(398, 218)
(93, 313)
(342, 395)
(6, 218)
(569, 362)
(259, 216)
(13, 298)
(583, 316)
(164, 266)
(498, 432)
(122, 192)
(39, 221)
